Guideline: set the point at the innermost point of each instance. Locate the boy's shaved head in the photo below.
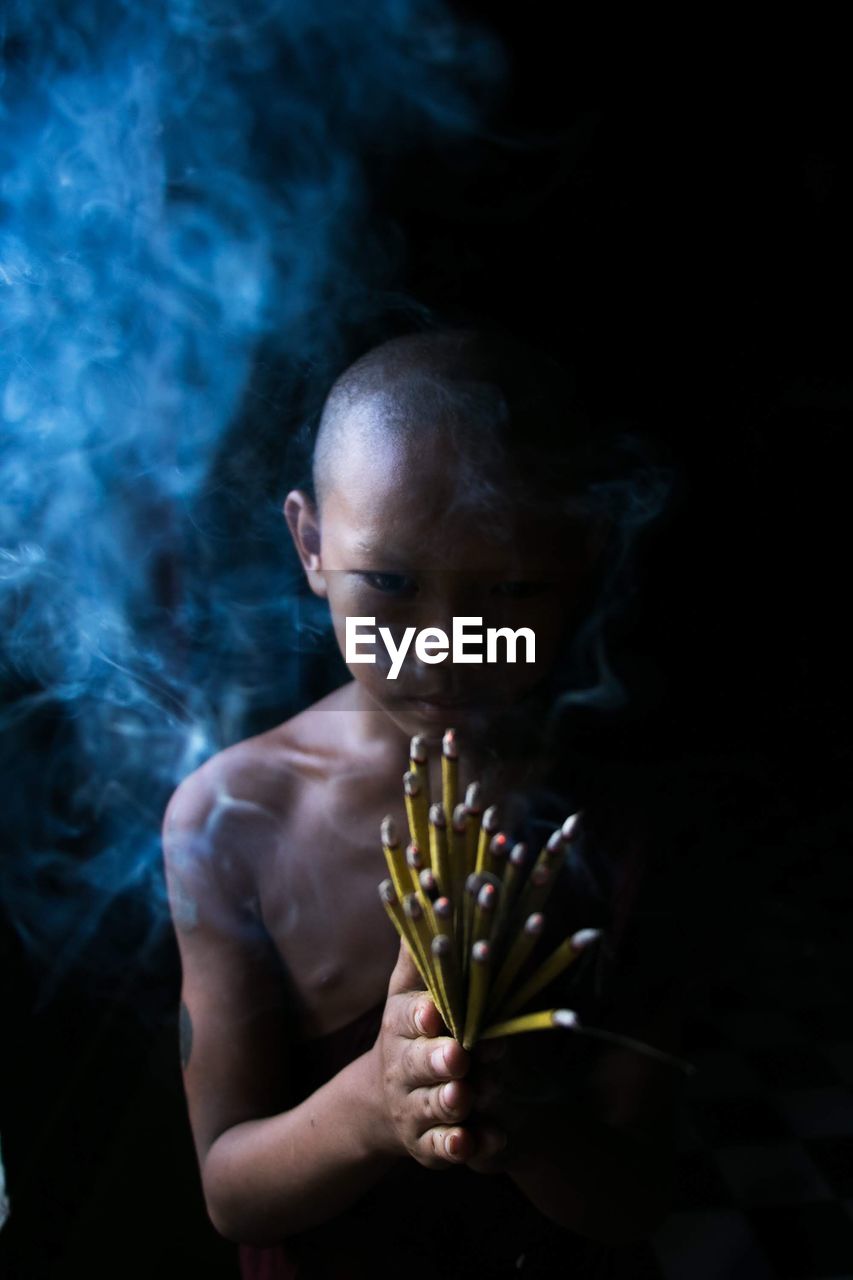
(499, 411)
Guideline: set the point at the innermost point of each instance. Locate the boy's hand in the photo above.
(423, 1096)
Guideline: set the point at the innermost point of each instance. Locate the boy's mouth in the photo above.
(438, 707)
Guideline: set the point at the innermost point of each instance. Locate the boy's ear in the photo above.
(303, 522)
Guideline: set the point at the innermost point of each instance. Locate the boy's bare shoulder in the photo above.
(255, 784)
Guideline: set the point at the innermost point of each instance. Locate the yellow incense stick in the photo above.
(488, 828)
(449, 773)
(419, 924)
(512, 878)
(478, 987)
(544, 1021)
(542, 878)
(419, 764)
(401, 923)
(458, 851)
(447, 971)
(496, 855)
(417, 811)
(395, 857)
(520, 949)
(558, 961)
(484, 912)
(439, 857)
(473, 814)
(569, 1020)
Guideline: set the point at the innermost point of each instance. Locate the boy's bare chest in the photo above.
(319, 901)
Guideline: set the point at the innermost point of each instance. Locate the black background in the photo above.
(682, 232)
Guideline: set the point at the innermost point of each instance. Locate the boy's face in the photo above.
(398, 539)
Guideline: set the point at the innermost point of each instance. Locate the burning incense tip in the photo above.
(448, 744)
(414, 858)
(442, 945)
(411, 784)
(473, 798)
(442, 909)
(428, 883)
(555, 844)
(584, 937)
(534, 924)
(418, 749)
(498, 846)
(387, 893)
(480, 951)
(486, 897)
(565, 1018)
(389, 832)
(436, 815)
(567, 831)
(412, 907)
(490, 819)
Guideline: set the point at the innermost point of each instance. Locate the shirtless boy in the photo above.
(425, 461)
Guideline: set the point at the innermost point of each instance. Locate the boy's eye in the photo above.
(394, 584)
(520, 590)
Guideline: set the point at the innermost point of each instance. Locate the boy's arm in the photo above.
(605, 1167)
(267, 1172)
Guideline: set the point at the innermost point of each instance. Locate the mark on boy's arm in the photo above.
(185, 1035)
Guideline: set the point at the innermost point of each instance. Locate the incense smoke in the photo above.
(186, 237)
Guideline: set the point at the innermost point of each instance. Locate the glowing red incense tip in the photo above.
(499, 846)
(486, 897)
(389, 832)
(480, 951)
(442, 908)
(448, 744)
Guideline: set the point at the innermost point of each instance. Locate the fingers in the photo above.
(444, 1145)
(428, 1061)
(405, 976)
(443, 1104)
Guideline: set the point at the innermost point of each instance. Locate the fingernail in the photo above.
(420, 1019)
(452, 1143)
(446, 1095)
(438, 1059)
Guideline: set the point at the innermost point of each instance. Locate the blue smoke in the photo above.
(186, 240)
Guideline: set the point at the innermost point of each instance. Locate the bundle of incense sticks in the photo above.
(471, 909)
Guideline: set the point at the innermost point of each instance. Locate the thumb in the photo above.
(405, 976)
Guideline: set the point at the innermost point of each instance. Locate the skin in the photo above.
(274, 844)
